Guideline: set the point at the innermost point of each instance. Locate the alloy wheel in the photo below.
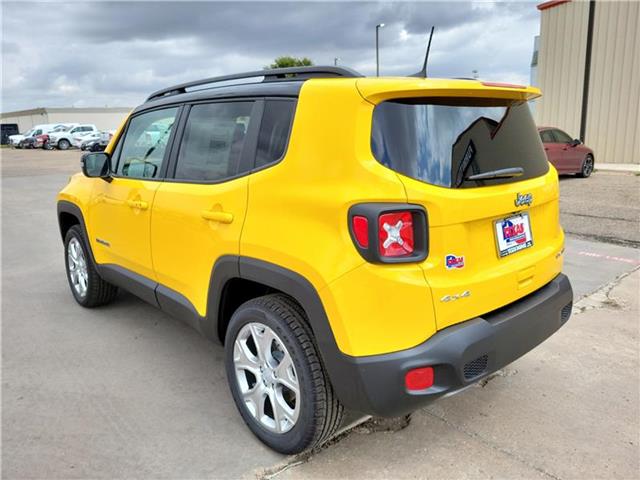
(77, 265)
(267, 378)
(588, 166)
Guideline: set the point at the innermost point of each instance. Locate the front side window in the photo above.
(142, 150)
(213, 140)
(274, 131)
(444, 141)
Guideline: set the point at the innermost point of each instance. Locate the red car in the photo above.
(568, 155)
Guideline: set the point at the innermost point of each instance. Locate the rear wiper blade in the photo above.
(500, 173)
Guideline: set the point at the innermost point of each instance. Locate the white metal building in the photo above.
(103, 118)
(588, 68)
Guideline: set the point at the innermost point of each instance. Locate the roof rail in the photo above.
(275, 74)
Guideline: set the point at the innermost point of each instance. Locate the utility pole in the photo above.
(378, 27)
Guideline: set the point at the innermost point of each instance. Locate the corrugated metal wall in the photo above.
(561, 59)
(613, 109)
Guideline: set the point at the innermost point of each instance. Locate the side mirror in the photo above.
(575, 142)
(96, 165)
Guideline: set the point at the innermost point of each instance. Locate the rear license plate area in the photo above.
(513, 234)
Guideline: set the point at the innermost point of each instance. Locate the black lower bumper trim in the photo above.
(461, 354)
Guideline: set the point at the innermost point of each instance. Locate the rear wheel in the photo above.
(64, 144)
(87, 287)
(587, 167)
(276, 377)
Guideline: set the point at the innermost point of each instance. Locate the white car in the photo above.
(64, 140)
(83, 137)
(14, 140)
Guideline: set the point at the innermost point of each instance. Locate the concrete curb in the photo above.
(618, 167)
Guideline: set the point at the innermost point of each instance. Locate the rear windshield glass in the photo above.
(444, 142)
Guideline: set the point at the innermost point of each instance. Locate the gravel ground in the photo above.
(604, 207)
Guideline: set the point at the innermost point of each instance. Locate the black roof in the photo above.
(284, 82)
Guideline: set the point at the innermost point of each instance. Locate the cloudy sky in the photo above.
(115, 53)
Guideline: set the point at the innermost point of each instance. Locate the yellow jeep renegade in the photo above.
(355, 243)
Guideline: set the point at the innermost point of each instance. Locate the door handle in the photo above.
(139, 204)
(217, 216)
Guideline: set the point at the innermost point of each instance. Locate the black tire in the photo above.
(98, 292)
(587, 167)
(320, 411)
(64, 144)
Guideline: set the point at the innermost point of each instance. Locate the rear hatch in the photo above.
(471, 156)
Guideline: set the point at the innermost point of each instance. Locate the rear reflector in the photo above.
(360, 227)
(395, 234)
(419, 378)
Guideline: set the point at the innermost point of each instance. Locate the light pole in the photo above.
(335, 61)
(378, 27)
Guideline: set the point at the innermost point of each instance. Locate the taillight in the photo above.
(389, 233)
(395, 234)
(419, 378)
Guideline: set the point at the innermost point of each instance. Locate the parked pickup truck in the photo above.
(64, 140)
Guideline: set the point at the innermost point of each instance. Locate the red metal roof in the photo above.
(551, 4)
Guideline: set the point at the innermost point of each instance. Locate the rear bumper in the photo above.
(461, 354)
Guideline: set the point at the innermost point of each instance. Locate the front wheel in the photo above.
(64, 144)
(587, 167)
(87, 287)
(276, 376)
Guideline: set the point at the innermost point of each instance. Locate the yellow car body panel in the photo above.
(185, 243)
(392, 305)
(118, 222)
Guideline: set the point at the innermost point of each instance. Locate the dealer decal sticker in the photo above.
(454, 261)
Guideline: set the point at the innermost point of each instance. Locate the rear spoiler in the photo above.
(376, 90)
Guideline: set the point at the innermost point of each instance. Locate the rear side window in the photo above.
(444, 141)
(213, 140)
(274, 131)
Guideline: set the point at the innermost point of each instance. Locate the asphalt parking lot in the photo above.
(126, 391)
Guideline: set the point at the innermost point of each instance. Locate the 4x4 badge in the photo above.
(456, 296)
(523, 199)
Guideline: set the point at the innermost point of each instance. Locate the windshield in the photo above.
(444, 141)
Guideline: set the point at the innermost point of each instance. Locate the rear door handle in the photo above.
(217, 216)
(139, 204)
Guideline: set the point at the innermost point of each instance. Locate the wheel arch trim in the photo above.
(67, 207)
(292, 284)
